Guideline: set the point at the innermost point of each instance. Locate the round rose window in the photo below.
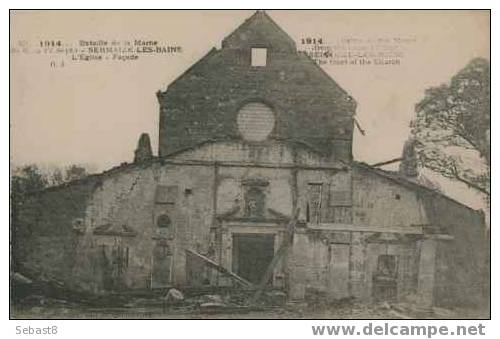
(255, 121)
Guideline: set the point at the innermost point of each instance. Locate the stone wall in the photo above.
(202, 104)
(48, 229)
(462, 263)
(132, 199)
(378, 201)
(269, 152)
(150, 213)
(343, 264)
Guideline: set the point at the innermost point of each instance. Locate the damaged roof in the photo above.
(404, 181)
(203, 102)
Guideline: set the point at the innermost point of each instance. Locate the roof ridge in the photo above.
(189, 69)
(250, 19)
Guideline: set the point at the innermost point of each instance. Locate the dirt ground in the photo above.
(46, 301)
(348, 310)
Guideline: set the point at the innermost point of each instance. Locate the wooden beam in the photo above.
(209, 262)
(362, 131)
(287, 242)
(378, 164)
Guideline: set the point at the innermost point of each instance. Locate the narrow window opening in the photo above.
(255, 201)
(385, 286)
(259, 57)
(386, 266)
(314, 202)
(163, 221)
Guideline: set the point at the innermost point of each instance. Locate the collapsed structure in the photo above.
(251, 135)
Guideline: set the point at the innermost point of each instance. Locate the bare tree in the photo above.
(75, 172)
(24, 180)
(56, 178)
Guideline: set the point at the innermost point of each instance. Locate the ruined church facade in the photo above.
(256, 138)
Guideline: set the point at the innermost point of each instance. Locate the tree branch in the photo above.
(471, 184)
(462, 134)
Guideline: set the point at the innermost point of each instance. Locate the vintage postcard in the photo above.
(250, 164)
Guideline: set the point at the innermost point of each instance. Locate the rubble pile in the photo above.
(207, 302)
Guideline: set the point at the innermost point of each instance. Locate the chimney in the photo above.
(409, 164)
(143, 151)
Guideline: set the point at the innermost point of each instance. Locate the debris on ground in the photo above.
(174, 296)
(212, 298)
(206, 302)
(211, 305)
(275, 298)
(21, 279)
(211, 301)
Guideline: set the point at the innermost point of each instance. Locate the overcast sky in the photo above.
(93, 112)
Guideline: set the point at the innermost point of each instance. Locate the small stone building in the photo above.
(251, 134)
